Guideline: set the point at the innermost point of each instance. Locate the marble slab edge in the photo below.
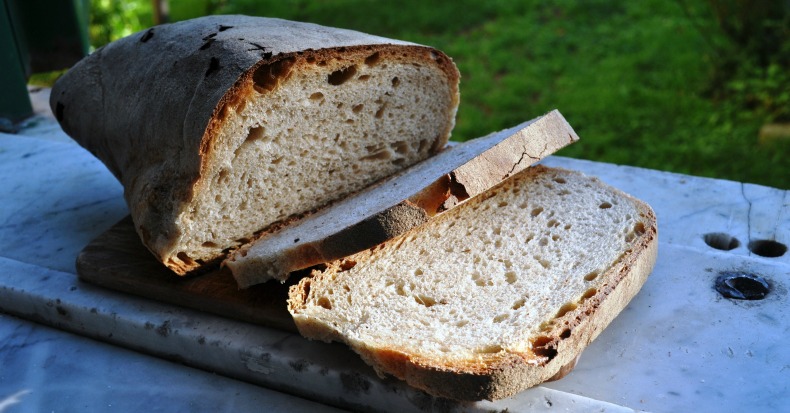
(327, 373)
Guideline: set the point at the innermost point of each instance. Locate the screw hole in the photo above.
(767, 248)
(742, 286)
(721, 241)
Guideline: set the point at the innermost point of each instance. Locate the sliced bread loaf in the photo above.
(400, 203)
(221, 126)
(491, 297)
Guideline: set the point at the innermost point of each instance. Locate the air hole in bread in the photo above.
(373, 59)
(363, 77)
(565, 333)
(395, 81)
(418, 272)
(255, 133)
(266, 77)
(423, 145)
(565, 309)
(425, 300)
(591, 276)
(536, 211)
(543, 242)
(317, 96)
(500, 318)
(377, 156)
(324, 302)
(559, 180)
(380, 112)
(541, 347)
(347, 265)
(400, 147)
(605, 205)
(511, 277)
(338, 77)
(518, 304)
(357, 108)
(209, 244)
(588, 294)
(638, 230)
(185, 258)
(552, 223)
(222, 177)
(502, 204)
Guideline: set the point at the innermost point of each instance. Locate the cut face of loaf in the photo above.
(494, 296)
(222, 126)
(401, 202)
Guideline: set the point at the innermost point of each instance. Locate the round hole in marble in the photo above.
(742, 285)
(721, 241)
(767, 248)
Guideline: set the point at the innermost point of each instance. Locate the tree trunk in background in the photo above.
(161, 12)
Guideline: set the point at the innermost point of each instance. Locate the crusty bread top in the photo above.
(401, 202)
(491, 297)
(152, 106)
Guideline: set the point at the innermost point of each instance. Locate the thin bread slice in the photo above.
(400, 203)
(492, 297)
(221, 126)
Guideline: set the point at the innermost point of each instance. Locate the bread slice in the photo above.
(400, 203)
(221, 126)
(494, 296)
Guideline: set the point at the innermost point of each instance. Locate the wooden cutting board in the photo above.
(118, 260)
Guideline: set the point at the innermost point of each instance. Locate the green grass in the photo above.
(631, 77)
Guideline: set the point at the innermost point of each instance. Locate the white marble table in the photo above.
(679, 346)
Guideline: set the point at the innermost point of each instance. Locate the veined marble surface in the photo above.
(47, 370)
(679, 346)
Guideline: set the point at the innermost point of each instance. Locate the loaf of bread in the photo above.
(401, 202)
(223, 126)
(494, 296)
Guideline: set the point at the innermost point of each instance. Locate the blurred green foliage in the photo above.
(682, 85)
(112, 19)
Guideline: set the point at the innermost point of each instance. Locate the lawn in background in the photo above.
(640, 81)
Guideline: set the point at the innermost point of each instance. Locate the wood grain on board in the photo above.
(118, 260)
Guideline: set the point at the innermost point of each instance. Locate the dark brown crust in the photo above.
(149, 105)
(503, 374)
